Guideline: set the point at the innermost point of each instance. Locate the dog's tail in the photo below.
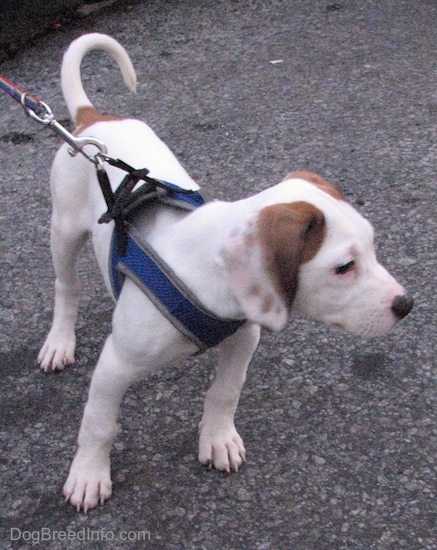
(71, 82)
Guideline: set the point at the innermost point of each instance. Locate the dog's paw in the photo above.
(87, 485)
(57, 352)
(223, 448)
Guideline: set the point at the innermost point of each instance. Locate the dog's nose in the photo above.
(402, 305)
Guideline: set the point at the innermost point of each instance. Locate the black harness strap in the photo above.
(118, 200)
(124, 200)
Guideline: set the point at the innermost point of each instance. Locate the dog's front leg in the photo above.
(89, 480)
(220, 444)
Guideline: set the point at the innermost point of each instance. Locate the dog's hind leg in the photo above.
(58, 348)
(69, 232)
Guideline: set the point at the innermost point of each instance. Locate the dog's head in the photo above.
(309, 251)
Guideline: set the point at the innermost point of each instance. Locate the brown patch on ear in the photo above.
(87, 116)
(318, 181)
(290, 234)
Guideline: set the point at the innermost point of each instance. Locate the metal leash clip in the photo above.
(44, 115)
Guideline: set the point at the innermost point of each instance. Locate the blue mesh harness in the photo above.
(132, 257)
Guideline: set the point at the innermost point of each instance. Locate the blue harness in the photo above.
(136, 259)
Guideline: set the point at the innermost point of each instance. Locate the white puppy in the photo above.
(295, 247)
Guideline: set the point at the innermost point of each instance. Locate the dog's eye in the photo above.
(342, 269)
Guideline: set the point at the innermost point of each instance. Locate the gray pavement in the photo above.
(338, 429)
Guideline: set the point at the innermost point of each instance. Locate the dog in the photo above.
(296, 247)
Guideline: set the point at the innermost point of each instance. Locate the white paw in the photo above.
(88, 484)
(57, 352)
(222, 448)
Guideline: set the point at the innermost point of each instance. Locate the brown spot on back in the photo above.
(318, 181)
(87, 116)
(290, 234)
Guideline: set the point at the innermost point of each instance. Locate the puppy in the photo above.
(295, 247)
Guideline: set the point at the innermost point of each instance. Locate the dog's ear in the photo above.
(262, 259)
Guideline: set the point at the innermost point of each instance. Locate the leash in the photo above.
(41, 113)
(28, 101)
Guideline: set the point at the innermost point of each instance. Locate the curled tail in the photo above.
(71, 82)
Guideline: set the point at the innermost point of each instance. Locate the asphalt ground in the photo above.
(339, 430)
